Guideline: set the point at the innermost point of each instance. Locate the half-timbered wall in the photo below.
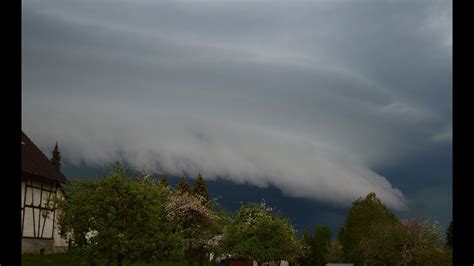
(38, 220)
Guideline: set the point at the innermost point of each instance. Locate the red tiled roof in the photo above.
(33, 161)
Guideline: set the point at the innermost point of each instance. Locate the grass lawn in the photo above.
(68, 259)
(52, 259)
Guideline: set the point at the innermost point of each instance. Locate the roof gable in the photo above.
(33, 161)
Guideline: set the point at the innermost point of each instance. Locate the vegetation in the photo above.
(369, 225)
(200, 188)
(259, 233)
(183, 186)
(422, 243)
(304, 254)
(131, 218)
(315, 248)
(56, 157)
(121, 218)
(50, 260)
(372, 235)
(69, 259)
(197, 222)
(164, 182)
(320, 245)
(449, 236)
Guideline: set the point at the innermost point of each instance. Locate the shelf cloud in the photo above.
(308, 96)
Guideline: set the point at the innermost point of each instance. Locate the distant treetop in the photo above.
(56, 159)
(200, 188)
(183, 186)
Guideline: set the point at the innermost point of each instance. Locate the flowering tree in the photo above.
(196, 220)
(188, 209)
(423, 243)
(259, 233)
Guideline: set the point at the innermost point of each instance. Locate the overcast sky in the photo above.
(309, 96)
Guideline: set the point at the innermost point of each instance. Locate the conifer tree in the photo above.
(164, 181)
(200, 188)
(56, 159)
(183, 186)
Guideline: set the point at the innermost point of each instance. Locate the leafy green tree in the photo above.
(56, 157)
(306, 237)
(222, 219)
(383, 246)
(367, 218)
(335, 254)
(315, 248)
(183, 186)
(320, 245)
(449, 236)
(304, 255)
(372, 235)
(200, 188)
(259, 233)
(121, 218)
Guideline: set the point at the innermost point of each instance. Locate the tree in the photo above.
(121, 218)
(56, 157)
(306, 237)
(164, 182)
(335, 254)
(366, 227)
(382, 246)
(200, 188)
(201, 223)
(183, 186)
(422, 243)
(320, 245)
(315, 248)
(372, 235)
(259, 233)
(304, 256)
(196, 220)
(449, 236)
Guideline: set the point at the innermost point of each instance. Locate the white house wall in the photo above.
(28, 225)
(40, 232)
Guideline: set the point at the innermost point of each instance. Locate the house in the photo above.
(40, 180)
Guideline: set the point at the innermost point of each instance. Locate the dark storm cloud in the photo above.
(306, 96)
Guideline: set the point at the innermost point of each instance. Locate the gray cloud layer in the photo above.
(308, 96)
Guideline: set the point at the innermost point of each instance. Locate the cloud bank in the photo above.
(306, 96)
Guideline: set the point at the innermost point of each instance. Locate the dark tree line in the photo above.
(129, 218)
